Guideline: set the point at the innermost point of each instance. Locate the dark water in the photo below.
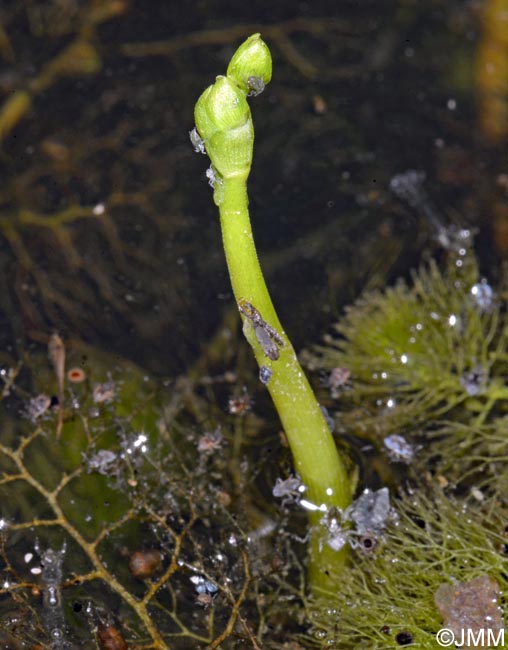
(360, 92)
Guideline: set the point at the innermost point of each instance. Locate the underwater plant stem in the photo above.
(224, 123)
(315, 454)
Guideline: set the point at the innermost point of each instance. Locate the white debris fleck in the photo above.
(370, 511)
(197, 142)
(102, 461)
(477, 494)
(104, 393)
(37, 406)
(483, 296)
(337, 536)
(398, 449)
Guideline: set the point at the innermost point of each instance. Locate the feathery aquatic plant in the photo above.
(417, 353)
(388, 598)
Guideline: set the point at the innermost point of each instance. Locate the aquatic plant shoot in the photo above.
(225, 131)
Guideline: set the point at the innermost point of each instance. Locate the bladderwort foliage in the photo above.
(424, 366)
(387, 599)
(132, 527)
(436, 349)
(428, 362)
(471, 456)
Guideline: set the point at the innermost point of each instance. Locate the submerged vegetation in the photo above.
(427, 362)
(132, 525)
(154, 514)
(145, 523)
(429, 349)
(389, 597)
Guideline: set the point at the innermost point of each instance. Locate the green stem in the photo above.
(316, 458)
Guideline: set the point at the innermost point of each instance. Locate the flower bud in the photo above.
(251, 64)
(224, 122)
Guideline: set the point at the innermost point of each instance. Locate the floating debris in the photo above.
(409, 187)
(56, 353)
(289, 489)
(210, 441)
(398, 449)
(370, 511)
(102, 462)
(76, 375)
(197, 142)
(483, 296)
(136, 443)
(473, 381)
(470, 605)
(37, 406)
(110, 638)
(477, 494)
(240, 404)
(256, 86)
(338, 381)
(144, 563)
(104, 393)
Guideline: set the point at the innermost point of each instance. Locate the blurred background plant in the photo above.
(150, 522)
